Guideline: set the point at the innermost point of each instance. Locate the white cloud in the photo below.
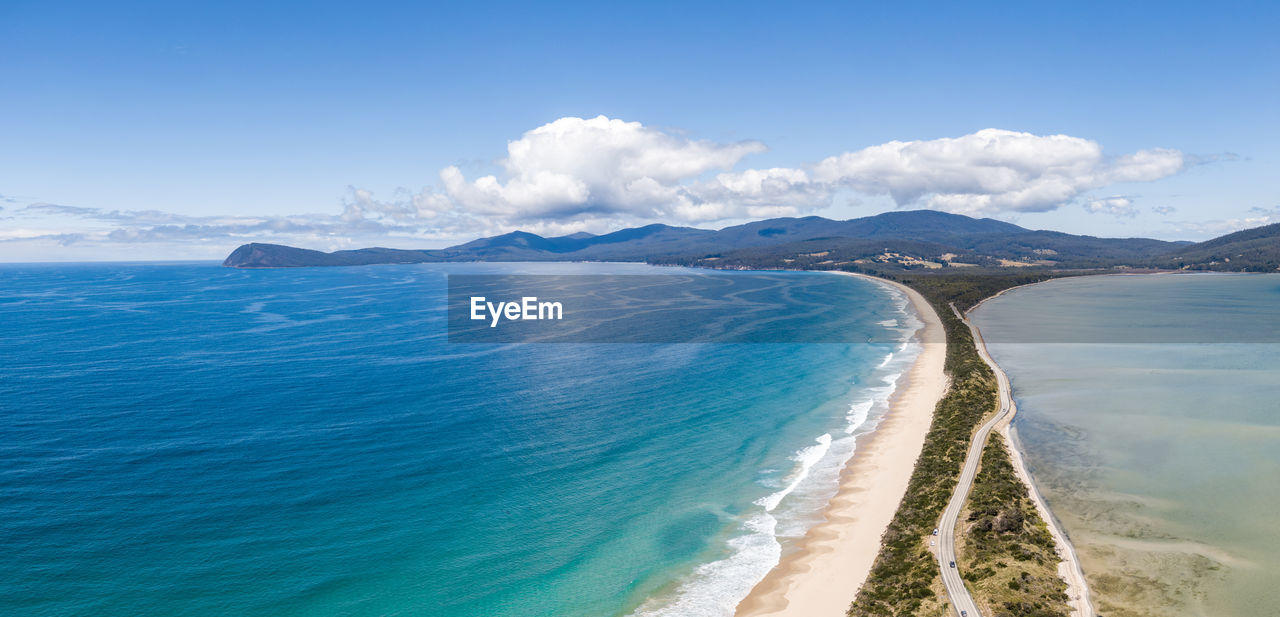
(599, 174)
(1117, 205)
(599, 166)
(992, 171)
(602, 167)
(1164, 210)
(1256, 217)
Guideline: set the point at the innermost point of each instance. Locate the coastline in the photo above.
(830, 563)
(1069, 568)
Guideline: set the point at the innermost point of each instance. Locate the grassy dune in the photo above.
(1006, 554)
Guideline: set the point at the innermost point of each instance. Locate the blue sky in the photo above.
(134, 130)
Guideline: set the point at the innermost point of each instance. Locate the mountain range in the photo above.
(902, 240)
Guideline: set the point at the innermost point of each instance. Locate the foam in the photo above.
(807, 458)
(714, 589)
(857, 415)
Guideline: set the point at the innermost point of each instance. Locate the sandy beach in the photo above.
(1069, 568)
(823, 575)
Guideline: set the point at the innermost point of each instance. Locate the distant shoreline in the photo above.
(823, 575)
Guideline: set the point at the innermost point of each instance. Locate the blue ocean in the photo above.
(187, 439)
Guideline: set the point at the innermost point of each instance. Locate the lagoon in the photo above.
(1148, 413)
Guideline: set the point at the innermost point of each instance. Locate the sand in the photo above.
(1078, 598)
(829, 564)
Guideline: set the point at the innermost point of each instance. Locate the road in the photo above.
(957, 593)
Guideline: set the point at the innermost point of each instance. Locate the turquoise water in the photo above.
(1153, 427)
(192, 440)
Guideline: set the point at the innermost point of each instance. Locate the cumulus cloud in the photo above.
(602, 167)
(1164, 210)
(598, 174)
(992, 171)
(599, 166)
(1117, 205)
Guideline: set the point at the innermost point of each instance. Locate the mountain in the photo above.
(893, 240)
(1251, 250)
(259, 255)
(517, 243)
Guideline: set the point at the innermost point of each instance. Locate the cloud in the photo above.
(1164, 210)
(992, 171)
(56, 209)
(599, 166)
(154, 226)
(577, 168)
(1257, 217)
(599, 174)
(1117, 205)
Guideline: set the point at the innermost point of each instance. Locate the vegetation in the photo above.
(1006, 554)
(966, 290)
(1251, 250)
(904, 579)
(891, 241)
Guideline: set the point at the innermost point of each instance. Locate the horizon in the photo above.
(688, 309)
(515, 231)
(179, 133)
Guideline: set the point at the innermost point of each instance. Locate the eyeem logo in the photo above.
(528, 309)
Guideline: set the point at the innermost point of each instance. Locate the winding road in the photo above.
(957, 593)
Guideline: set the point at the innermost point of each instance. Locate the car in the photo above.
(935, 531)
(953, 564)
(964, 613)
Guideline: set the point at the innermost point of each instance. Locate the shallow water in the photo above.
(1154, 432)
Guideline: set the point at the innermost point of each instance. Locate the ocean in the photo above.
(186, 439)
(1148, 413)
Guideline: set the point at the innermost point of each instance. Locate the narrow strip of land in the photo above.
(912, 575)
(957, 593)
(1069, 569)
(823, 574)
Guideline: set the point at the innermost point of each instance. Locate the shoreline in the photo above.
(823, 574)
(1069, 568)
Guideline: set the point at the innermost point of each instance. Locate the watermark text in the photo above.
(527, 308)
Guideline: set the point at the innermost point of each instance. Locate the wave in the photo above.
(807, 458)
(717, 587)
(714, 589)
(857, 415)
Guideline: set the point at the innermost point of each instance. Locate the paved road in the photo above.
(957, 593)
(1082, 604)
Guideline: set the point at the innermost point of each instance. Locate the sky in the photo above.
(168, 130)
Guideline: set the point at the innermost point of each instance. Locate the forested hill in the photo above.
(912, 240)
(1253, 250)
